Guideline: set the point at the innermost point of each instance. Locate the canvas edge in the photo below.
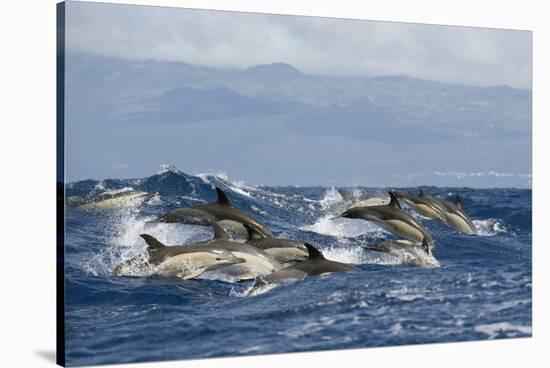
(60, 186)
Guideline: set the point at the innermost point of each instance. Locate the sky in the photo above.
(465, 55)
(315, 145)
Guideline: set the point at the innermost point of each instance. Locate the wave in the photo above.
(125, 241)
(462, 175)
(290, 211)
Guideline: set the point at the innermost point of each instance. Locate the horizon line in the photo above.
(305, 74)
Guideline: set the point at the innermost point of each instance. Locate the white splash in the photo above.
(354, 254)
(489, 227)
(252, 291)
(126, 243)
(462, 175)
(236, 186)
(117, 191)
(339, 227)
(494, 329)
(331, 198)
(165, 168)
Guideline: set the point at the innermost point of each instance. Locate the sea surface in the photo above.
(478, 288)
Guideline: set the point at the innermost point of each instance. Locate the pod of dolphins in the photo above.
(275, 261)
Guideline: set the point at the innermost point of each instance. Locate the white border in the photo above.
(28, 180)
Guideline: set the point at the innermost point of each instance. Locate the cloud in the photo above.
(326, 46)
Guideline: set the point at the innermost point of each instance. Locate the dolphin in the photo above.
(256, 261)
(284, 250)
(407, 252)
(184, 261)
(363, 199)
(393, 219)
(424, 205)
(188, 215)
(111, 200)
(221, 210)
(455, 215)
(389, 246)
(245, 263)
(315, 265)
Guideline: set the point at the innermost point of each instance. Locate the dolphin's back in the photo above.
(320, 267)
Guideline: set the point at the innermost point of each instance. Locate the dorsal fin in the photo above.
(346, 196)
(458, 201)
(219, 232)
(253, 233)
(152, 242)
(420, 192)
(393, 200)
(313, 253)
(222, 198)
(426, 246)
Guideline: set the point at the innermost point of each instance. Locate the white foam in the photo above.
(257, 210)
(494, 329)
(396, 328)
(139, 266)
(339, 227)
(165, 168)
(126, 242)
(490, 227)
(346, 254)
(100, 186)
(218, 275)
(308, 328)
(462, 175)
(250, 349)
(154, 200)
(409, 256)
(252, 291)
(236, 186)
(117, 191)
(206, 177)
(407, 294)
(331, 198)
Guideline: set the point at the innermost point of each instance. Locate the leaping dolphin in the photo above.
(256, 261)
(455, 215)
(184, 261)
(424, 205)
(242, 261)
(315, 265)
(388, 246)
(407, 251)
(284, 250)
(111, 200)
(393, 219)
(221, 210)
(354, 199)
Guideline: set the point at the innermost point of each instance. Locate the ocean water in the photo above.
(476, 288)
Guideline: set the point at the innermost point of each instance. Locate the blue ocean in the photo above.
(477, 287)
